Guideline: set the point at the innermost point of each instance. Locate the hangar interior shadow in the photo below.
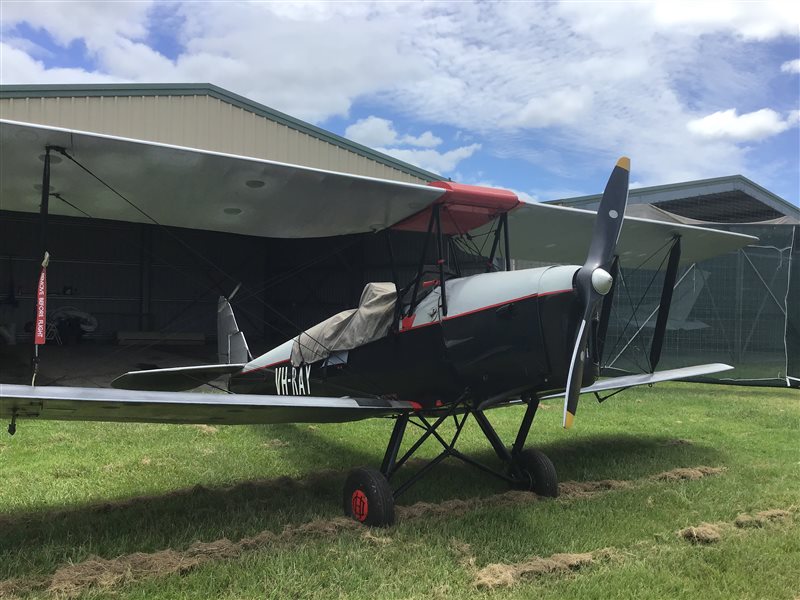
(177, 518)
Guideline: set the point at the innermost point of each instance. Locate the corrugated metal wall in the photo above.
(195, 121)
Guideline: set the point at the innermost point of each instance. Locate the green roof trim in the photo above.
(695, 188)
(207, 89)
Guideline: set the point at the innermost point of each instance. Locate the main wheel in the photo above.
(368, 498)
(540, 473)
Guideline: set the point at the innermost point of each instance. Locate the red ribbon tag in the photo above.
(41, 308)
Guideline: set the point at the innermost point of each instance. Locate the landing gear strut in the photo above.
(368, 495)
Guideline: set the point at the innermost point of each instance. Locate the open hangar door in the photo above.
(146, 286)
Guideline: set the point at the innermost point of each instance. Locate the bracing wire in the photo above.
(183, 243)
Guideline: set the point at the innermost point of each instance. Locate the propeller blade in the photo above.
(575, 375)
(593, 281)
(610, 213)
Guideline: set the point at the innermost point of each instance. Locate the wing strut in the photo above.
(666, 299)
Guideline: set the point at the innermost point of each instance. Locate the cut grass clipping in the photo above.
(98, 573)
(252, 512)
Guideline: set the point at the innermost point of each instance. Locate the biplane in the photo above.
(447, 346)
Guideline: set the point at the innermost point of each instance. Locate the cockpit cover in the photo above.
(350, 328)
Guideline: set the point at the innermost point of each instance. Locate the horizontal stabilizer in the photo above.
(617, 383)
(175, 379)
(124, 406)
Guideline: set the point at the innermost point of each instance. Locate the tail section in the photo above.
(231, 345)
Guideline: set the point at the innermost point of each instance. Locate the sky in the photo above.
(537, 97)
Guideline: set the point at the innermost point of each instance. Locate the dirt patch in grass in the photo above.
(464, 554)
(375, 540)
(705, 533)
(775, 514)
(688, 473)
(710, 533)
(568, 490)
(760, 519)
(585, 489)
(14, 588)
(206, 429)
(678, 442)
(276, 443)
(505, 575)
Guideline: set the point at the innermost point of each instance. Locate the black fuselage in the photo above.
(511, 348)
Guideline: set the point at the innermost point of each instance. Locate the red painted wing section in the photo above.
(464, 207)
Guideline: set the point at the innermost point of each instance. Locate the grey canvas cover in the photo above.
(350, 328)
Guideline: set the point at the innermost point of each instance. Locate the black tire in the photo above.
(368, 498)
(540, 474)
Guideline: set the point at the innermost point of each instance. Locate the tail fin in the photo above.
(231, 345)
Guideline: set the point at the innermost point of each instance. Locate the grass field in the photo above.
(100, 510)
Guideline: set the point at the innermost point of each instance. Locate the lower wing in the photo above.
(621, 383)
(101, 404)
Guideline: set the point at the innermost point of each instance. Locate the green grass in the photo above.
(55, 479)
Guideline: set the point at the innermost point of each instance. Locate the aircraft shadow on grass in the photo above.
(176, 519)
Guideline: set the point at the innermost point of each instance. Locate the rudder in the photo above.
(231, 344)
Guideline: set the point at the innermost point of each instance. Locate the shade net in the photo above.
(742, 308)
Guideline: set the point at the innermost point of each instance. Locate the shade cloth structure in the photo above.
(742, 308)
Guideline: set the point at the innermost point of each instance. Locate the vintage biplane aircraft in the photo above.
(447, 345)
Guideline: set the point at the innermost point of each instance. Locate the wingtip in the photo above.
(625, 163)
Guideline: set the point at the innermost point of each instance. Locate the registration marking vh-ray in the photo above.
(293, 381)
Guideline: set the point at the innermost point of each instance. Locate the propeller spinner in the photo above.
(593, 280)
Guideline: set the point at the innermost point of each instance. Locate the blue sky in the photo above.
(537, 97)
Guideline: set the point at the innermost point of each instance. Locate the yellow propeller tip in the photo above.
(624, 163)
(568, 418)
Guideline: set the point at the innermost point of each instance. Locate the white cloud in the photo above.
(97, 23)
(424, 140)
(372, 131)
(791, 66)
(749, 127)
(622, 80)
(17, 66)
(557, 108)
(432, 160)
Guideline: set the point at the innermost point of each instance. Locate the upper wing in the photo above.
(100, 404)
(628, 381)
(198, 189)
(558, 234)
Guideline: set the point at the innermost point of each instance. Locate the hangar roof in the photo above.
(732, 199)
(213, 91)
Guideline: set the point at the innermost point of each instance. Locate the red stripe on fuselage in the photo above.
(275, 364)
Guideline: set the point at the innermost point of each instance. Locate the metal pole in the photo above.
(440, 257)
(43, 216)
(663, 308)
(525, 425)
(496, 242)
(417, 281)
(504, 221)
